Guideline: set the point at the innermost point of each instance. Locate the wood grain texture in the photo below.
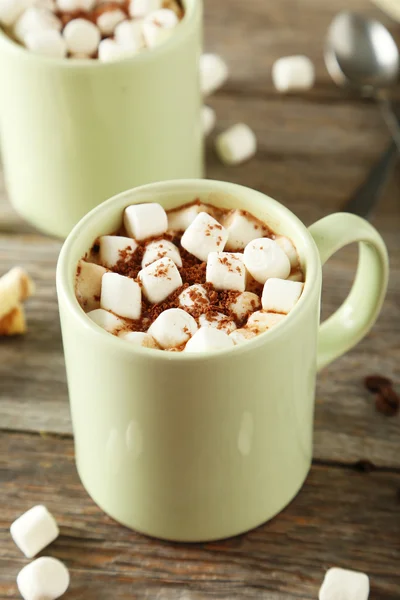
(314, 150)
(341, 517)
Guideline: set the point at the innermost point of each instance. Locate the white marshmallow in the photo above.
(244, 304)
(288, 248)
(47, 43)
(172, 328)
(293, 73)
(236, 145)
(217, 320)
(141, 8)
(82, 36)
(280, 295)
(159, 280)
(213, 73)
(34, 20)
(242, 335)
(106, 320)
(163, 17)
(109, 19)
(179, 220)
(145, 220)
(88, 284)
(208, 119)
(204, 235)
(226, 271)
(111, 246)
(138, 338)
(154, 34)
(10, 10)
(260, 321)
(208, 338)
(194, 296)
(68, 5)
(264, 258)
(161, 249)
(43, 579)
(121, 295)
(129, 36)
(241, 230)
(109, 50)
(34, 530)
(342, 584)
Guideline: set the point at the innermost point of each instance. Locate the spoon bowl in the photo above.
(361, 53)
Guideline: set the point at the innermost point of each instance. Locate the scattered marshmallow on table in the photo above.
(217, 320)
(208, 338)
(111, 246)
(241, 230)
(47, 43)
(264, 258)
(121, 295)
(141, 8)
(226, 271)
(213, 73)
(194, 296)
(128, 37)
(109, 19)
(81, 36)
(43, 579)
(208, 119)
(242, 335)
(161, 249)
(34, 530)
(293, 73)
(280, 295)
(204, 235)
(139, 338)
(159, 280)
(236, 145)
(145, 220)
(35, 20)
(106, 320)
(172, 328)
(342, 584)
(288, 248)
(244, 304)
(261, 320)
(88, 284)
(179, 220)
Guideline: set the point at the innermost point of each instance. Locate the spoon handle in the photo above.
(390, 118)
(367, 195)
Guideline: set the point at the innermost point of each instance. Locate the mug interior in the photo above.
(107, 218)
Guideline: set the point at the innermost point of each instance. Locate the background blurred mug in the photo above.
(195, 447)
(75, 132)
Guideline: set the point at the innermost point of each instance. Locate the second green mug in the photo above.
(75, 132)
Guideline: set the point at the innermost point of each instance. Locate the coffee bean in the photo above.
(387, 401)
(374, 383)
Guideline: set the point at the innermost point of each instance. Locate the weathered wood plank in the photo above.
(335, 520)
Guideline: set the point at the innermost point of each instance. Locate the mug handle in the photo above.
(355, 317)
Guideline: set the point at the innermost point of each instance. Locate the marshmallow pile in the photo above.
(195, 279)
(45, 578)
(90, 28)
(15, 287)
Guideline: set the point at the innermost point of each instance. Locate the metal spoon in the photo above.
(361, 54)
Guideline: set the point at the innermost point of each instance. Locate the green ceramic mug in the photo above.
(193, 447)
(75, 132)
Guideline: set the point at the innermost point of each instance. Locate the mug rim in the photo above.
(192, 10)
(66, 291)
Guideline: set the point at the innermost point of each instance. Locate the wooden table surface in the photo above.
(314, 149)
